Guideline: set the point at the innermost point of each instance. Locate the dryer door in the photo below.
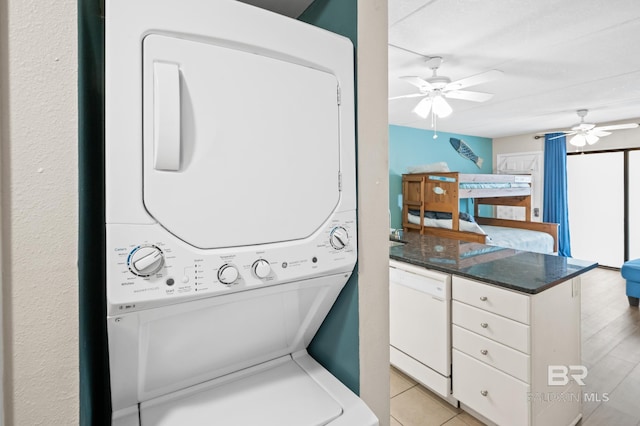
(231, 138)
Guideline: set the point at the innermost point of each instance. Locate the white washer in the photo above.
(230, 185)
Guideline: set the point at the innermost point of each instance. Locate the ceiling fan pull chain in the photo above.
(433, 125)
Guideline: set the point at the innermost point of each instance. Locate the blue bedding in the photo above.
(513, 238)
(475, 185)
(442, 215)
(519, 239)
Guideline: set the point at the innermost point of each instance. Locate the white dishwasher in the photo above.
(420, 325)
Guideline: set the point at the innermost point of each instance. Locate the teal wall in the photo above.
(337, 16)
(336, 346)
(95, 397)
(409, 146)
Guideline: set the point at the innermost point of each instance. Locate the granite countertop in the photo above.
(514, 269)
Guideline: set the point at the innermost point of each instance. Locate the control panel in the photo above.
(148, 267)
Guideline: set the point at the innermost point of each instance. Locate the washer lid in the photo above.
(240, 147)
(282, 395)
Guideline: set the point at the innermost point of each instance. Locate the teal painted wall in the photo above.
(409, 146)
(95, 397)
(337, 16)
(336, 345)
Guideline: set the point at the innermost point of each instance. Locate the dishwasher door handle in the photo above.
(419, 283)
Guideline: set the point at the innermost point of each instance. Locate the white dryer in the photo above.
(230, 210)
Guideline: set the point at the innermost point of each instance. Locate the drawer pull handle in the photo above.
(484, 325)
(483, 298)
(484, 392)
(484, 351)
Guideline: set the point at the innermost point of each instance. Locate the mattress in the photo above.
(519, 239)
(446, 223)
(494, 185)
(514, 238)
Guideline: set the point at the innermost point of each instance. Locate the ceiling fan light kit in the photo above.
(423, 108)
(435, 103)
(591, 139)
(440, 107)
(436, 89)
(578, 140)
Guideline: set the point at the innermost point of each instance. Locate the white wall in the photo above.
(38, 208)
(4, 134)
(373, 218)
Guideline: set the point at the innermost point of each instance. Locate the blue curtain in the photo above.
(555, 207)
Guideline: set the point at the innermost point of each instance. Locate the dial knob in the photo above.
(261, 268)
(146, 260)
(227, 274)
(339, 238)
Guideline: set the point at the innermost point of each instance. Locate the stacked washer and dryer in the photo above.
(230, 213)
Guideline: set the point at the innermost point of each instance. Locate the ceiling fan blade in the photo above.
(548, 132)
(617, 127)
(420, 83)
(597, 132)
(474, 79)
(413, 95)
(423, 108)
(467, 95)
(563, 135)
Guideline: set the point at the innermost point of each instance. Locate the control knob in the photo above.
(339, 238)
(146, 260)
(261, 268)
(227, 274)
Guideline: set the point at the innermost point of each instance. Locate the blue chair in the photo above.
(631, 272)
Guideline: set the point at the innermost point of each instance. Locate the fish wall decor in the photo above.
(464, 150)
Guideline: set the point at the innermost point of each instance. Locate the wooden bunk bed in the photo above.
(442, 191)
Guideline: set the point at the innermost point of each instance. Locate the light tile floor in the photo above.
(413, 405)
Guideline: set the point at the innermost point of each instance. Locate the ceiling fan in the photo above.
(588, 133)
(436, 89)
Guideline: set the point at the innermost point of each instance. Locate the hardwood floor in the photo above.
(610, 350)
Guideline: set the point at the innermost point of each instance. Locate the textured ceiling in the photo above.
(557, 57)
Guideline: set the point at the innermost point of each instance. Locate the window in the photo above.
(604, 206)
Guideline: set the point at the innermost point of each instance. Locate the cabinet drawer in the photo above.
(494, 354)
(493, 299)
(492, 393)
(492, 326)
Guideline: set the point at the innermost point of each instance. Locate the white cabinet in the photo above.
(503, 345)
(490, 392)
